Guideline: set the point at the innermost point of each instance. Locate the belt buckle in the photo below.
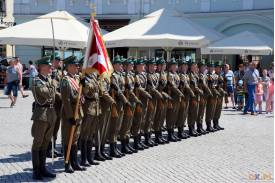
(51, 105)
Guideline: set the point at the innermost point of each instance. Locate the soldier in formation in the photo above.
(140, 98)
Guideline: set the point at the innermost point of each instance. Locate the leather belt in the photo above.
(46, 105)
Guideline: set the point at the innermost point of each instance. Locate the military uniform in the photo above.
(203, 85)
(106, 105)
(193, 102)
(90, 124)
(117, 90)
(173, 109)
(69, 92)
(184, 105)
(152, 85)
(44, 117)
(56, 76)
(162, 104)
(140, 112)
(218, 110)
(211, 99)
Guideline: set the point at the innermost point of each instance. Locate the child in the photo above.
(270, 98)
(240, 95)
(266, 81)
(259, 95)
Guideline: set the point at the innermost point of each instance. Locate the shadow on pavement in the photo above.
(13, 158)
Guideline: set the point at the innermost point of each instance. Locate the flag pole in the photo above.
(79, 94)
(52, 139)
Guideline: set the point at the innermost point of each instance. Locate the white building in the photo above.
(226, 16)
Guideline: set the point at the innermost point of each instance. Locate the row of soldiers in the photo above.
(136, 101)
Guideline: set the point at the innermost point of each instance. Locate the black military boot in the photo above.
(98, 155)
(42, 165)
(49, 151)
(171, 138)
(200, 129)
(158, 140)
(152, 141)
(56, 152)
(141, 143)
(118, 151)
(215, 127)
(113, 152)
(83, 149)
(75, 164)
(37, 175)
(185, 135)
(163, 139)
(175, 136)
(180, 130)
(218, 126)
(90, 157)
(137, 144)
(209, 127)
(192, 132)
(124, 147)
(130, 147)
(68, 167)
(147, 140)
(104, 154)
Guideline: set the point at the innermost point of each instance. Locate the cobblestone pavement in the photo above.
(241, 153)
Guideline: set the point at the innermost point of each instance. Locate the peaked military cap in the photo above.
(71, 60)
(160, 60)
(191, 62)
(55, 56)
(44, 61)
(173, 61)
(123, 60)
(140, 61)
(130, 60)
(183, 61)
(211, 64)
(117, 60)
(219, 63)
(151, 61)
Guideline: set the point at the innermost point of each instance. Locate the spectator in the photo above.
(270, 98)
(229, 80)
(250, 80)
(266, 81)
(12, 80)
(271, 71)
(19, 67)
(32, 73)
(259, 95)
(238, 76)
(240, 95)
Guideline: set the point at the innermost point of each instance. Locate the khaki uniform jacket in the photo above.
(69, 97)
(203, 85)
(185, 85)
(44, 92)
(173, 86)
(91, 93)
(118, 86)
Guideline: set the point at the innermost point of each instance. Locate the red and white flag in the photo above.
(96, 57)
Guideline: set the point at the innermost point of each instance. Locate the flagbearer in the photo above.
(43, 117)
(69, 92)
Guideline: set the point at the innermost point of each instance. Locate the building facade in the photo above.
(225, 16)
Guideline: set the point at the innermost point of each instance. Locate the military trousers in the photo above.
(218, 109)
(41, 132)
(104, 119)
(201, 110)
(66, 127)
(193, 110)
(115, 125)
(89, 127)
(210, 108)
(139, 117)
(183, 112)
(150, 116)
(127, 124)
(160, 115)
(172, 114)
